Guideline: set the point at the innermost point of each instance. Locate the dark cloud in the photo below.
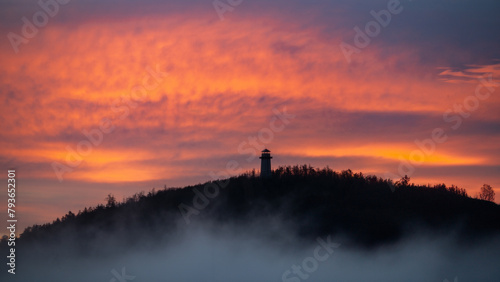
(449, 33)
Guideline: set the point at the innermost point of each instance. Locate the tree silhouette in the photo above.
(403, 182)
(110, 201)
(487, 193)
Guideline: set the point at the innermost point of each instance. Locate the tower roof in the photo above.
(266, 151)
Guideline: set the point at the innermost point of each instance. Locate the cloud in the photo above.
(223, 79)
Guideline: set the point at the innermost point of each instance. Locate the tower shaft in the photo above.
(265, 164)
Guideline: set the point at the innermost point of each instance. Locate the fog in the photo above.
(260, 251)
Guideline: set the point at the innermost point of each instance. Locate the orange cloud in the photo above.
(222, 81)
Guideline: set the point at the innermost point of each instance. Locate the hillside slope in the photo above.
(308, 202)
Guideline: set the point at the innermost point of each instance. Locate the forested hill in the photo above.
(310, 202)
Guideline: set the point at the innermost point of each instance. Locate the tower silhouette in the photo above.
(265, 164)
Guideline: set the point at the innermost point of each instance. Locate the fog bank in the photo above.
(214, 253)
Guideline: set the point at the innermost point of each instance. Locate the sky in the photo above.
(100, 97)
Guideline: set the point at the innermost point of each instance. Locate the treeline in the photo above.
(311, 202)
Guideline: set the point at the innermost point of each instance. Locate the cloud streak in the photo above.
(224, 79)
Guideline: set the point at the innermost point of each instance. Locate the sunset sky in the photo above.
(174, 92)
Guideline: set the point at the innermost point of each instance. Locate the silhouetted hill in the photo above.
(309, 202)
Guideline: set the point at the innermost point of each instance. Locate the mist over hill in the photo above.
(301, 223)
